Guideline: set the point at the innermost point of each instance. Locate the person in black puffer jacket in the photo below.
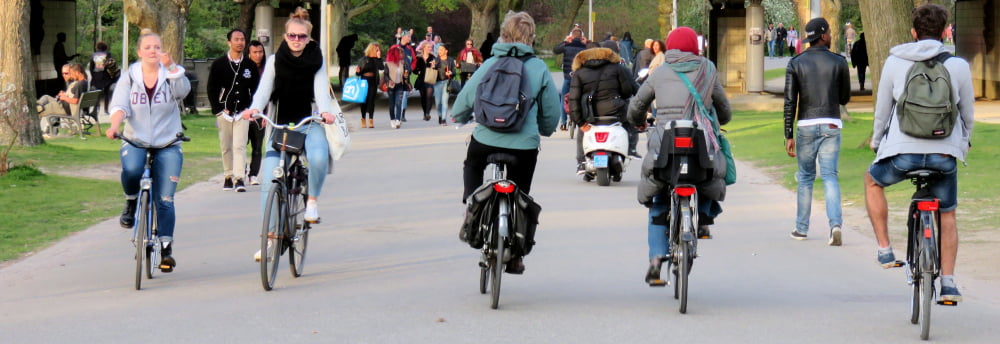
(600, 70)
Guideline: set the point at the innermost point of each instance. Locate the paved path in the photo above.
(386, 266)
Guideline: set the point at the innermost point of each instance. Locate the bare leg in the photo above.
(878, 211)
(949, 242)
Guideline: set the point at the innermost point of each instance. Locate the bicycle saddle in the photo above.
(501, 158)
(923, 173)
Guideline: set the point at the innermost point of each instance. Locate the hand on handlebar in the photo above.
(327, 118)
(248, 114)
(112, 133)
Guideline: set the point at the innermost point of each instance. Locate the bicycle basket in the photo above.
(290, 141)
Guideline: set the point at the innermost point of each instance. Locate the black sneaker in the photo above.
(240, 187)
(128, 214)
(704, 232)
(427, 117)
(167, 262)
(634, 155)
(228, 184)
(798, 236)
(515, 266)
(581, 168)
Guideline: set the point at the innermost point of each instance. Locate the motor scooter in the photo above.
(605, 148)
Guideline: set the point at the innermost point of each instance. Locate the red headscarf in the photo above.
(683, 39)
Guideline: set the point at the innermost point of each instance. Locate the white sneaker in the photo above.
(312, 214)
(256, 256)
(835, 237)
(254, 180)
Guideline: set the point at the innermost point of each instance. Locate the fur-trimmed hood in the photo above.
(595, 57)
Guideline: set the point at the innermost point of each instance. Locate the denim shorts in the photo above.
(893, 170)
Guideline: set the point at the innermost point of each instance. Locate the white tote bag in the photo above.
(338, 136)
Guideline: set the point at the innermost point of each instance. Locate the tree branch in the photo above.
(353, 12)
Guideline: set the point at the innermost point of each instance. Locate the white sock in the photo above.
(948, 280)
(885, 250)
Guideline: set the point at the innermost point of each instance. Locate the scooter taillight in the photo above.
(683, 142)
(685, 191)
(601, 137)
(503, 187)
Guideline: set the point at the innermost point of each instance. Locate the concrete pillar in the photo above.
(264, 24)
(755, 47)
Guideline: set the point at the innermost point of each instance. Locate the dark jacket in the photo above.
(781, 33)
(599, 70)
(859, 53)
(569, 51)
(817, 83)
(231, 85)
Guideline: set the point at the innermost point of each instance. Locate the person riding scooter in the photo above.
(600, 80)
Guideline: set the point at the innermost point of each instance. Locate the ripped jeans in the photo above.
(165, 172)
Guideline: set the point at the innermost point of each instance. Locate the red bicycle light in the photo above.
(601, 137)
(600, 153)
(685, 191)
(503, 187)
(683, 142)
(927, 205)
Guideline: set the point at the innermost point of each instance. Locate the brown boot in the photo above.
(371, 123)
(363, 123)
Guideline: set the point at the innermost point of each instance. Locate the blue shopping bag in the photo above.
(355, 90)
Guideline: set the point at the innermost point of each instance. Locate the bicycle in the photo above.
(923, 262)
(144, 235)
(496, 249)
(284, 227)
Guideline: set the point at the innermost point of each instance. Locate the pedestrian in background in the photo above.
(859, 58)
(255, 134)
(445, 72)
(469, 60)
(817, 83)
(770, 35)
(368, 68)
(573, 44)
(232, 81)
(626, 45)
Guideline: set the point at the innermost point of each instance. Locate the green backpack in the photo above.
(927, 109)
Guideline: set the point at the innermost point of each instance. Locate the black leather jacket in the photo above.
(817, 83)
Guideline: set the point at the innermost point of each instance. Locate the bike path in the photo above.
(386, 266)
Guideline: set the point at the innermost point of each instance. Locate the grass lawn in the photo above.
(757, 137)
(80, 185)
(776, 73)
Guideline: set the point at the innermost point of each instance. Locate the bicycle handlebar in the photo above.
(180, 137)
(314, 118)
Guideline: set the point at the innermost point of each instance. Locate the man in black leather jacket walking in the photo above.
(817, 83)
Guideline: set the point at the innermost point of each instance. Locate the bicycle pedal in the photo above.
(316, 221)
(947, 303)
(657, 283)
(899, 263)
(166, 268)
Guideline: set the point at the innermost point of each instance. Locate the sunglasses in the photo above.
(297, 36)
(65, 73)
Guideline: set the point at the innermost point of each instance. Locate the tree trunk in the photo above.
(831, 11)
(565, 22)
(893, 28)
(342, 12)
(18, 117)
(484, 19)
(248, 13)
(666, 10)
(168, 18)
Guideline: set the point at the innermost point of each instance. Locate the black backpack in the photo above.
(503, 96)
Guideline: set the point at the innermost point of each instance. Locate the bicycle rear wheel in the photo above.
(271, 236)
(684, 259)
(484, 276)
(915, 301)
(298, 230)
(141, 240)
(926, 300)
(499, 251)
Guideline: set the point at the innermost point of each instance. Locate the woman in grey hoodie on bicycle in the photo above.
(147, 98)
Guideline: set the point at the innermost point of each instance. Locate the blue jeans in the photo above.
(404, 102)
(441, 98)
(317, 154)
(165, 172)
(770, 48)
(817, 142)
(893, 170)
(565, 89)
(397, 102)
(659, 246)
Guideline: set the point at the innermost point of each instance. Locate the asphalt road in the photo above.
(386, 266)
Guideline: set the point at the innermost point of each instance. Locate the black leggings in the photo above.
(475, 164)
(255, 135)
(427, 98)
(369, 105)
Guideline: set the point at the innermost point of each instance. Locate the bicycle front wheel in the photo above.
(926, 299)
(271, 235)
(298, 230)
(141, 239)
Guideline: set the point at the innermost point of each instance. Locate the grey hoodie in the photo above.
(887, 139)
(153, 121)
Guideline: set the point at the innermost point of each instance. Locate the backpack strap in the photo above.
(940, 58)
